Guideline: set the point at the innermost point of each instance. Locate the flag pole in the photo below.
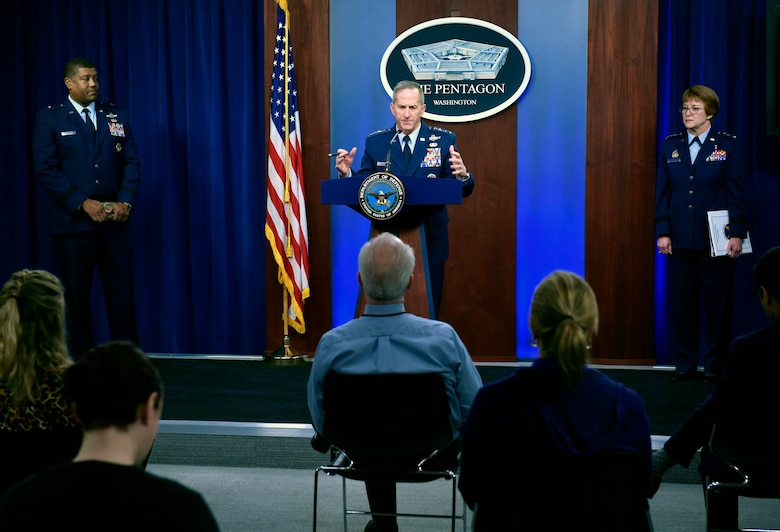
(286, 353)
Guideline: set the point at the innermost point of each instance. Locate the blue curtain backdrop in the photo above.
(722, 44)
(191, 74)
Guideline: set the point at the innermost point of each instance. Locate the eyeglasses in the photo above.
(693, 110)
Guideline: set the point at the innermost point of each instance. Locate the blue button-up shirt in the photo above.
(386, 339)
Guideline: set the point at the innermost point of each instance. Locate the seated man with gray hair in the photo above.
(387, 339)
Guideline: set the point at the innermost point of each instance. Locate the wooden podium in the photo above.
(418, 191)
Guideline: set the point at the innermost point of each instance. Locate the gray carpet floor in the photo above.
(260, 477)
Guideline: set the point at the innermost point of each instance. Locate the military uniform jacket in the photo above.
(72, 167)
(430, 158)
(686, 190)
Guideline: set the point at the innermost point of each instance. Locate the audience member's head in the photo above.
(766, 273)
(116, 389)
(32, 330)
(564, 319)
(385, 267)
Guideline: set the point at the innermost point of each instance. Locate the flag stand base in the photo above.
(288, 354)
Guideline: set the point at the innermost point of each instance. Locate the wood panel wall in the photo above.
(620, 175)
(479, 296)
(479, 286)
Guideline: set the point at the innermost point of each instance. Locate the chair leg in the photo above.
(314, 517)
(722, 511)
(344, 501)
(452, 512)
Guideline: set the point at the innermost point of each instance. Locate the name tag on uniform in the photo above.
(67, 133)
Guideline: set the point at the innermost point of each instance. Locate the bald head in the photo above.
(385, 267)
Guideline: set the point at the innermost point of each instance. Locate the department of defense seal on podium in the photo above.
(381, 196)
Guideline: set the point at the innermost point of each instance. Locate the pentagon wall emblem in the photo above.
(381, 196)
(455, 60)
(469, 69)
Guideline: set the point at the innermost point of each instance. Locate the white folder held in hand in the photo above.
(718, 223)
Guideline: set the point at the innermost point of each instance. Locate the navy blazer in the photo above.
(73, 168)
(430, 158)
(686, 190)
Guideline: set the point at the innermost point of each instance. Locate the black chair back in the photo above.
(753, 450)
(388, 417)
(552, 491)
(747, 465)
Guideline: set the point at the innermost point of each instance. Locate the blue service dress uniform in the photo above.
(73, 165)
(685, 191)
(430, 158)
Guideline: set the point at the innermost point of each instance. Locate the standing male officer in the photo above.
(415, 149)
(86, 158)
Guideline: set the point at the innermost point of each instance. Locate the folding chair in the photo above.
(551, 491)
(754, 460)
(388, 427)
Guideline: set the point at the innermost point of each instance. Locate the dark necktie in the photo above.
(407, 149)
(694, 148)
(88, 120)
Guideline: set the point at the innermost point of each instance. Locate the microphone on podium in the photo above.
(389, 147)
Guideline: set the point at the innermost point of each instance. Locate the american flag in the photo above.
(286, 227)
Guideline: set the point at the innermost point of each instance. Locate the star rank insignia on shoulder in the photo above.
(727, 135)
(673, 135)
(386, 130)
(442, 130)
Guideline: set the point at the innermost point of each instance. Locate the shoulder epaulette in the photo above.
(441, 130)
(100, 106)
(673, 135)
(725, 134)
(386, 130)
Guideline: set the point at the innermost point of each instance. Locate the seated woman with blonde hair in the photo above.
(558, 445)
(37, 427)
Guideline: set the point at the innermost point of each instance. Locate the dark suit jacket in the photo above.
(72, 168)
(430, 158)
(685, 191)
(746, 394)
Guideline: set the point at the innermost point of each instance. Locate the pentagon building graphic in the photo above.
(454, 60)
